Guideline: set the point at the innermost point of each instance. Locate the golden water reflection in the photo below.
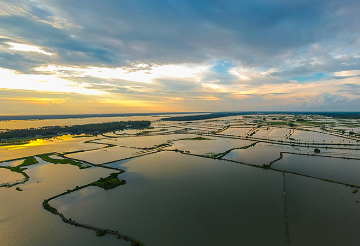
(38, 142)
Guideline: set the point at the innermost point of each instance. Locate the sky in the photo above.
(116, 56)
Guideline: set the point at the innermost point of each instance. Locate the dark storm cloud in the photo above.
(69, 50)
(252, 32)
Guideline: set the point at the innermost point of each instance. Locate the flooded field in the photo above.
(237, 131)
(269, 152)
(208, 145)
(207, 182)
(40, 146)
(144, 141)
(184, 195)
(274, 133)
(23, 221)
(309, 136)
(343, 170)
(9, 176)
(321, 213)
(101, 156)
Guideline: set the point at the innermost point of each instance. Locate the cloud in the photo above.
(13, 9)
(49, 83)
(33, 100)
(252, 32)
(208, 98)
(137, 74)
(257, 51)
(332, 102)
(27, 48)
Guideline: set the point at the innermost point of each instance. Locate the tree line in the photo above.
(93, 129)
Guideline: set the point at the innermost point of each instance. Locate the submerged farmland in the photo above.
(255, 179)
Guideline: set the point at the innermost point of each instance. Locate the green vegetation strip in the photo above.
(31, 160)
(46, 157)
(196, 138)
(87, 129)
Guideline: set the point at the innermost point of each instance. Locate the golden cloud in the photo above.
(33, 100)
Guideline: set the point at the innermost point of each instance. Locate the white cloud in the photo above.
(9, 79)
(139, 73)
(347, 73)
(27, 48)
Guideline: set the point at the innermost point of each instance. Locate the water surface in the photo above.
(174, 199)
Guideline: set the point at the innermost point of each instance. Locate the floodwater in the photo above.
(174, 199)
(107, 154)
(321, 213)
(269, 152)
(213, 145)
(273, 133)
(23, 221)
(41, 146)
(9, 176)
(237, 131)
(310, 136)
(144, 141)
(342, 170)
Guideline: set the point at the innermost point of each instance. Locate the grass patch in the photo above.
(31, 160)
(18, 189)
(197, 138)
(109, 182)
(47, 158)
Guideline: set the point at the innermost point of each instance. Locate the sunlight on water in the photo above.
(37, 142)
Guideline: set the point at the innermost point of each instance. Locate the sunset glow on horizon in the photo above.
(73, 57)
